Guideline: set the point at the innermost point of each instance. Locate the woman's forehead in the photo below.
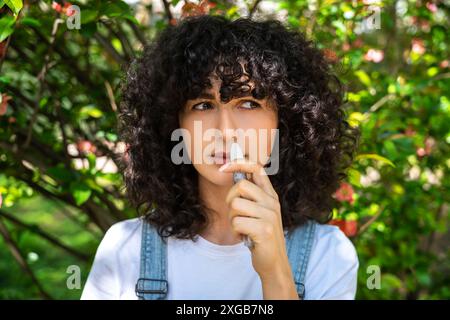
(216, 90)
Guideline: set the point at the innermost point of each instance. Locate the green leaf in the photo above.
(90, 111)
(131, 18)
(89, 29)
(14, 5)
(390, 148)
(363, 77)
(431, 72)
(116, 9)
(61, 173)
(80, 192)
(390, 281)
(30, 22)
(375, 157)
(93, 185)
(88, 16)
(6, 27)
(354, 177)
(91, 160)
(5, 80)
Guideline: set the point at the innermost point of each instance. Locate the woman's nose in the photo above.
(227, 125)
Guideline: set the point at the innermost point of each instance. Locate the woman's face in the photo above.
(213, 125)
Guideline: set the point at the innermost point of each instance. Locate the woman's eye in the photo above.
(249, 105)
(202, 106)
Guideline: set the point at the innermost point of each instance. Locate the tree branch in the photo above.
(35, 229)
(18, 256)
(41, 79)
(110, 49)
(253, 9)
(169, 14)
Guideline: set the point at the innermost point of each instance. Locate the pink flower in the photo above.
(346, 46)
(85, 146)
(432, 7)
(374, 55)
(345, 193)
(444, 64)
(409, 131)
(421, 152)
(418, 46)
(68, 10)
(429, 143)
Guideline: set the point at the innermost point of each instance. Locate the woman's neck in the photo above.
(219, 230)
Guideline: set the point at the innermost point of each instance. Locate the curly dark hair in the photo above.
(316, 142)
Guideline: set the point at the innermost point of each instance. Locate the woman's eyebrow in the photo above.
(207, 95)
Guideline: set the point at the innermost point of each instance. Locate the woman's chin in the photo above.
(212, 174)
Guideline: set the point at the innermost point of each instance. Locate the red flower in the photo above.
(56, 6)
(63, 9)
(348, 227)
(330, 55)
(358, 43)
(345, 193)
(4, 103)
(190, 9)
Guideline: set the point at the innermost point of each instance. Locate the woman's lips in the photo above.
(221, 157)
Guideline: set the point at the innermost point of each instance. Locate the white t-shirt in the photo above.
(205, 270)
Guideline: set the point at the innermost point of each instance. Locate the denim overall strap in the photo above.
(152, 283)
(298, 243)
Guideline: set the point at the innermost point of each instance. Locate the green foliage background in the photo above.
(60, 88)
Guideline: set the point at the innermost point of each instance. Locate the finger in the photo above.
(248, 190)
(258, 173)
(244, 207)
(256, 229)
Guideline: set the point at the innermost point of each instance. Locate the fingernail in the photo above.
(223, 167)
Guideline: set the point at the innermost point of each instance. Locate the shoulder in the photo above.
(330, 240)
(119, 236)
(116, 250)
(123, 230)
(333, 265)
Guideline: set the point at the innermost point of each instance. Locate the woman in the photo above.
(210, 79)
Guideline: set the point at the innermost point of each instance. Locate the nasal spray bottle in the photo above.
(236, 153)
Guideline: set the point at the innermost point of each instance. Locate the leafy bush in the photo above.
(59, 182)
